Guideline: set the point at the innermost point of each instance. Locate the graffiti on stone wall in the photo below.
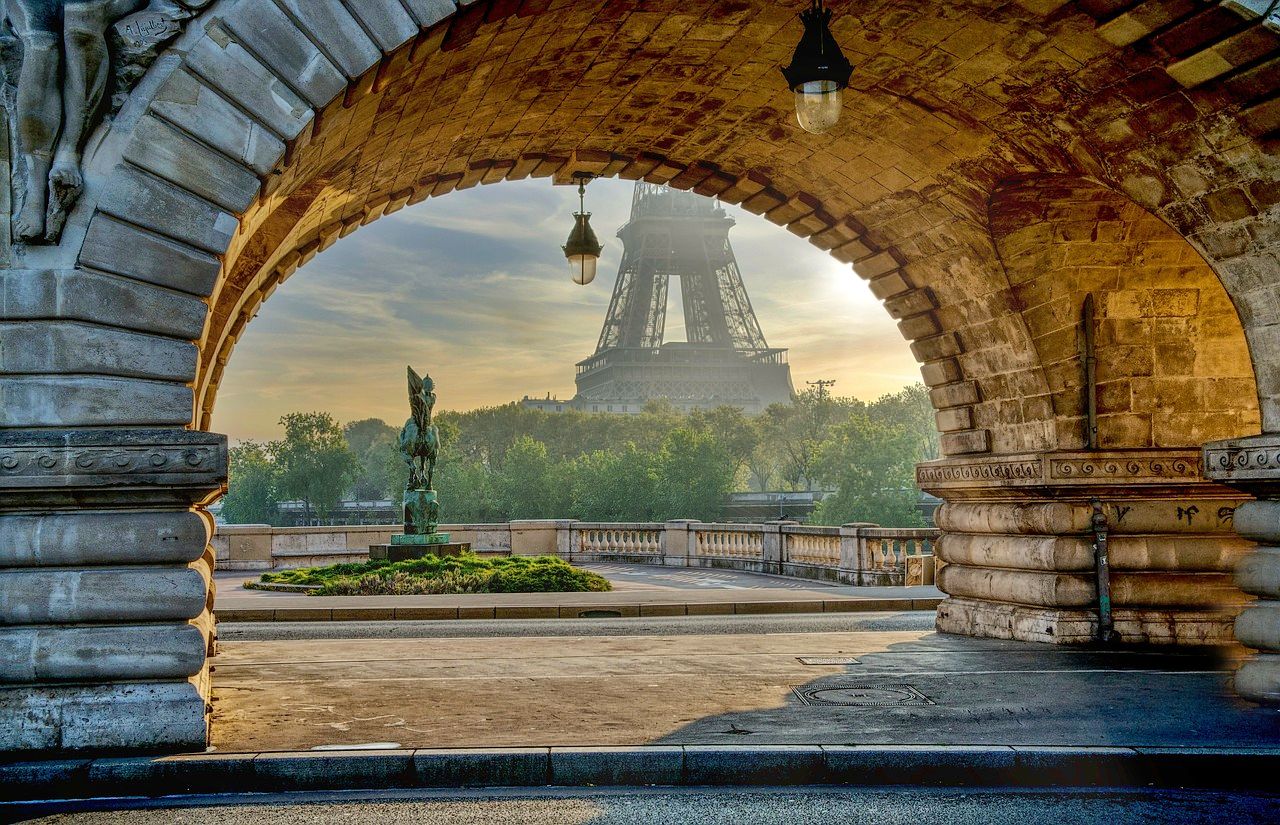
(66, 65)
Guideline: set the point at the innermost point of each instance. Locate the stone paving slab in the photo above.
(691, 765)
(709, 681)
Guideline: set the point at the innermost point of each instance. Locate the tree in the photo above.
(872, 466)
(911, 408)
(794, 432)
(614, 485)
(694, 474)
(251, 491)
(314, 463)
(734, 431)
(380, 472)
(530, 484)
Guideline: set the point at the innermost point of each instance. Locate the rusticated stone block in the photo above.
(222, 61)
(89, 296)
(330, 24)
(92, 537)
(124, 715)
(265, 29)
(105, 594)
(92, 401)
(110, 653)
(177, 157)
(167, 210)
(66, 347)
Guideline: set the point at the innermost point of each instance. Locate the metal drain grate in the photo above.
(861, 695)
(827, 660)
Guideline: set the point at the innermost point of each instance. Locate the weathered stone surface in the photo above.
(92, 401)
(1259, 573)
(1079, 627)
(329, 24)
(117, 247)
(100, 653)
(163, 208)
(1214, 553)
(1065, 590)
(220, 60)
(102, 594)
(68, 347)
(266, 31)
(186, 102)
(89, 296)
(387, 22)
(1258, 626)
(90, 537)
(1259, 679)
(430, 12)
(177, 157)
(117, 468)
(167, 715)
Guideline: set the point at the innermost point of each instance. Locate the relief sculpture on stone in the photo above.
(59, 58)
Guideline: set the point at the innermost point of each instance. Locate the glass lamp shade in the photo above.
(818, 105)
(583, 268)
(582, 250)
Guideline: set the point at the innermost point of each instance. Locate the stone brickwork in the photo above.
(977, 140)
(1173, 367)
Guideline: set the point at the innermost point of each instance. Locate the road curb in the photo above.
(662, 765)
(376, 613)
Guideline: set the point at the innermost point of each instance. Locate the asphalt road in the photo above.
(756, 806)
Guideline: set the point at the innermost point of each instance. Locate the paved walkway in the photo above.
(731, 680)
(639, 590)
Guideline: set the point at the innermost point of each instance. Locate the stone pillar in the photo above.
(772, 545)
(853, 564)
(1253, 466)
(1016, 555)
(106, 615)
(678, 542)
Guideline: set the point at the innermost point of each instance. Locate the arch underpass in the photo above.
(997, 162)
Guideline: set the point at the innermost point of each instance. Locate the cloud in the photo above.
(473, 287)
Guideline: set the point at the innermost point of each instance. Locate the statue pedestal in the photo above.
(417, 547)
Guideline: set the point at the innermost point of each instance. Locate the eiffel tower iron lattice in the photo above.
(725, 359)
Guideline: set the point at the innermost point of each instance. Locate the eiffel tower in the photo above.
(725, 359)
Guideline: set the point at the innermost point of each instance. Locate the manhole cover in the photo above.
(827, 660)
(862, 695)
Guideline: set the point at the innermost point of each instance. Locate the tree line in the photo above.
(513, 462)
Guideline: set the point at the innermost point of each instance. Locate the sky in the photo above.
(474, 288)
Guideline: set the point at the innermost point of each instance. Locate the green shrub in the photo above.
(429, 575)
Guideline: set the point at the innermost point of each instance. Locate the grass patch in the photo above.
(467, 573)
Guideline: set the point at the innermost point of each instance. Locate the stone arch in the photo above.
(271, 127)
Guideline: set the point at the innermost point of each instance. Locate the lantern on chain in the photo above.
(818, 73)
(582, 250)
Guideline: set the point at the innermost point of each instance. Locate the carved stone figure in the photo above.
(57, 66)
(419, 447)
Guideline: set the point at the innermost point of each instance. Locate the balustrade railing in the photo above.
(818, 546)
(729, 541)
(852, 554)
(618, 539)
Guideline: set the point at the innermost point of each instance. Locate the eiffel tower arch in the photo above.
(726, 360)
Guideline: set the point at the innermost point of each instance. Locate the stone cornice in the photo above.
(1250, 463)
(110, 467)
(1066, 473)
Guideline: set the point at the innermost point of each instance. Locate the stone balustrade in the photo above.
(852, 554)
